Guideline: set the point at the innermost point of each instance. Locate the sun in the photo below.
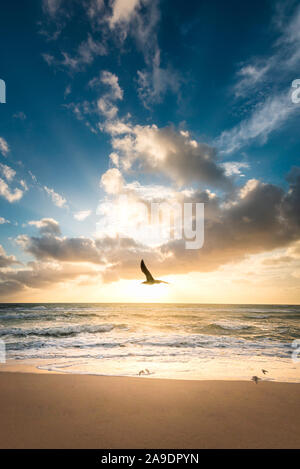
(135, 291)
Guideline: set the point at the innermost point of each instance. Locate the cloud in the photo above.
(117, 20)
(266, 118)
(61, 249)
(24, 184)
(263, 84)
(49, 59)
(139, 18)
(37, 275)
(285, 57)
(105, 103)
(112, 181)
(3, 221)
(107, 108)
(68, 91)
(4, 148)
(82, 215)
(51, 6)
(164, 151)
(94, 8)
(46, 226)
(261, 218)
(110, 79)
(156, 81)
(122, 11)
(234, 168)
(87, 51)
(20, 115)
(6, 261)
(55, 18)
(10, 195)
(56, 198)
(249, 76)
(291, 203)
(7, 172)
(33, 177)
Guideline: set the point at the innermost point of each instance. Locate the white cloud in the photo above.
(164, 151)
(122, 11)
(266, 118)
(112, 181)
(286, 57)
(105, 103)
(249, 76)
(46, 226)
(7, 172)
(3, 221)
(89, 49)
(107, 108)
(4, 148)
(139, 18)
(112, 80)
(234, 168)
(10, 196)
(82, 215)
(156, 81)
(33, 177)
(86, 53)
(57, 199)
(24, 184)
(250, 186)
(262, 82)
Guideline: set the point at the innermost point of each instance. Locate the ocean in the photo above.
(179, 341)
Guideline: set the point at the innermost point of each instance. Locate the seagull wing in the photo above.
(146, 272)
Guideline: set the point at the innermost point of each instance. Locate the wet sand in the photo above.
(45, 410)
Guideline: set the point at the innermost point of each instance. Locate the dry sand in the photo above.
(78, 411)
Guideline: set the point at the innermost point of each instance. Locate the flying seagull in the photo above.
(264, 371)
(150, 280)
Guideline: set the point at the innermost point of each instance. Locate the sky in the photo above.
(114, 105)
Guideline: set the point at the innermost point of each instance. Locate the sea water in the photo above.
(181, 341)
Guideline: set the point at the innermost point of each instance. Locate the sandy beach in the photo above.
(47, 410)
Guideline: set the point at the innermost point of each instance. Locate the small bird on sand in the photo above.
(255, 379)
(150, 280)
(144, 372)
(264, 371)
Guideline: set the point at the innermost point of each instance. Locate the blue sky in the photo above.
(214, 77)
